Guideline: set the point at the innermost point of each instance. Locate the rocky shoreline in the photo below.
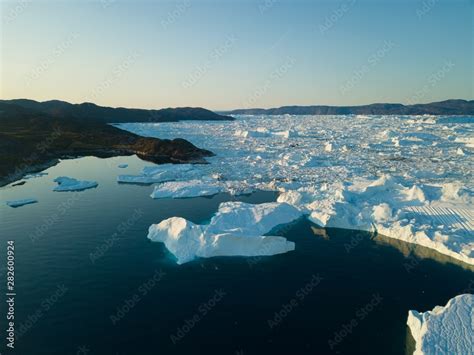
(31, 141)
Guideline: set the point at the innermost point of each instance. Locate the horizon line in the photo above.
(241, 108)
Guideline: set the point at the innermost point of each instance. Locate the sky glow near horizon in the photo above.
(237, 54)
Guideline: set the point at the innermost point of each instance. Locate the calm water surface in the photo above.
(88, 278)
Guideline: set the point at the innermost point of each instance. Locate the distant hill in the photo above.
(90, 111)
(448, 107)
(32, 140)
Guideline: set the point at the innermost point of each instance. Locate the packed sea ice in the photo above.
(406, 177)
(445, 330)
(71, 184)
(236, 229)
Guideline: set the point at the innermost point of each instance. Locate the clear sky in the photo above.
(237, 53)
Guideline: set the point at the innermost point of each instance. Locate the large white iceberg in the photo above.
(71, 184)
(22, 202)
(445, 330)
(185, 189)
(236, 229)
(436, 217)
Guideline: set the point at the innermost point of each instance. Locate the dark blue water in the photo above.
(88, 281)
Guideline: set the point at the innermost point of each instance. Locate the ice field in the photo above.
(406, 177)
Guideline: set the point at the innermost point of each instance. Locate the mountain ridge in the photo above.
(446, 107)
(92, 111)
(32, 141)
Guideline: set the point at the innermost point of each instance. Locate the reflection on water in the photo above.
(410, 344)
(320, 232)
(353, 267)
(410, 250)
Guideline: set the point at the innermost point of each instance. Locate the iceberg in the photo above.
(436, 217)
(35, 175)
(137, 179)
(236, 229)
(444, 330)
(19, 203)
(158, 174)
(71, 184)
(186, 189)
(406, 177)
(262, 132)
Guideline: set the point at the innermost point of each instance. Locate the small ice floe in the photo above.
(328, 147)
(159, 173)
(71, 184)
(35, 175)
(444, 330)
(236, 229)
(137, 179)
(468, 141)
(262, 132)
(186, 189)
(123, 166)
(19, 203)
